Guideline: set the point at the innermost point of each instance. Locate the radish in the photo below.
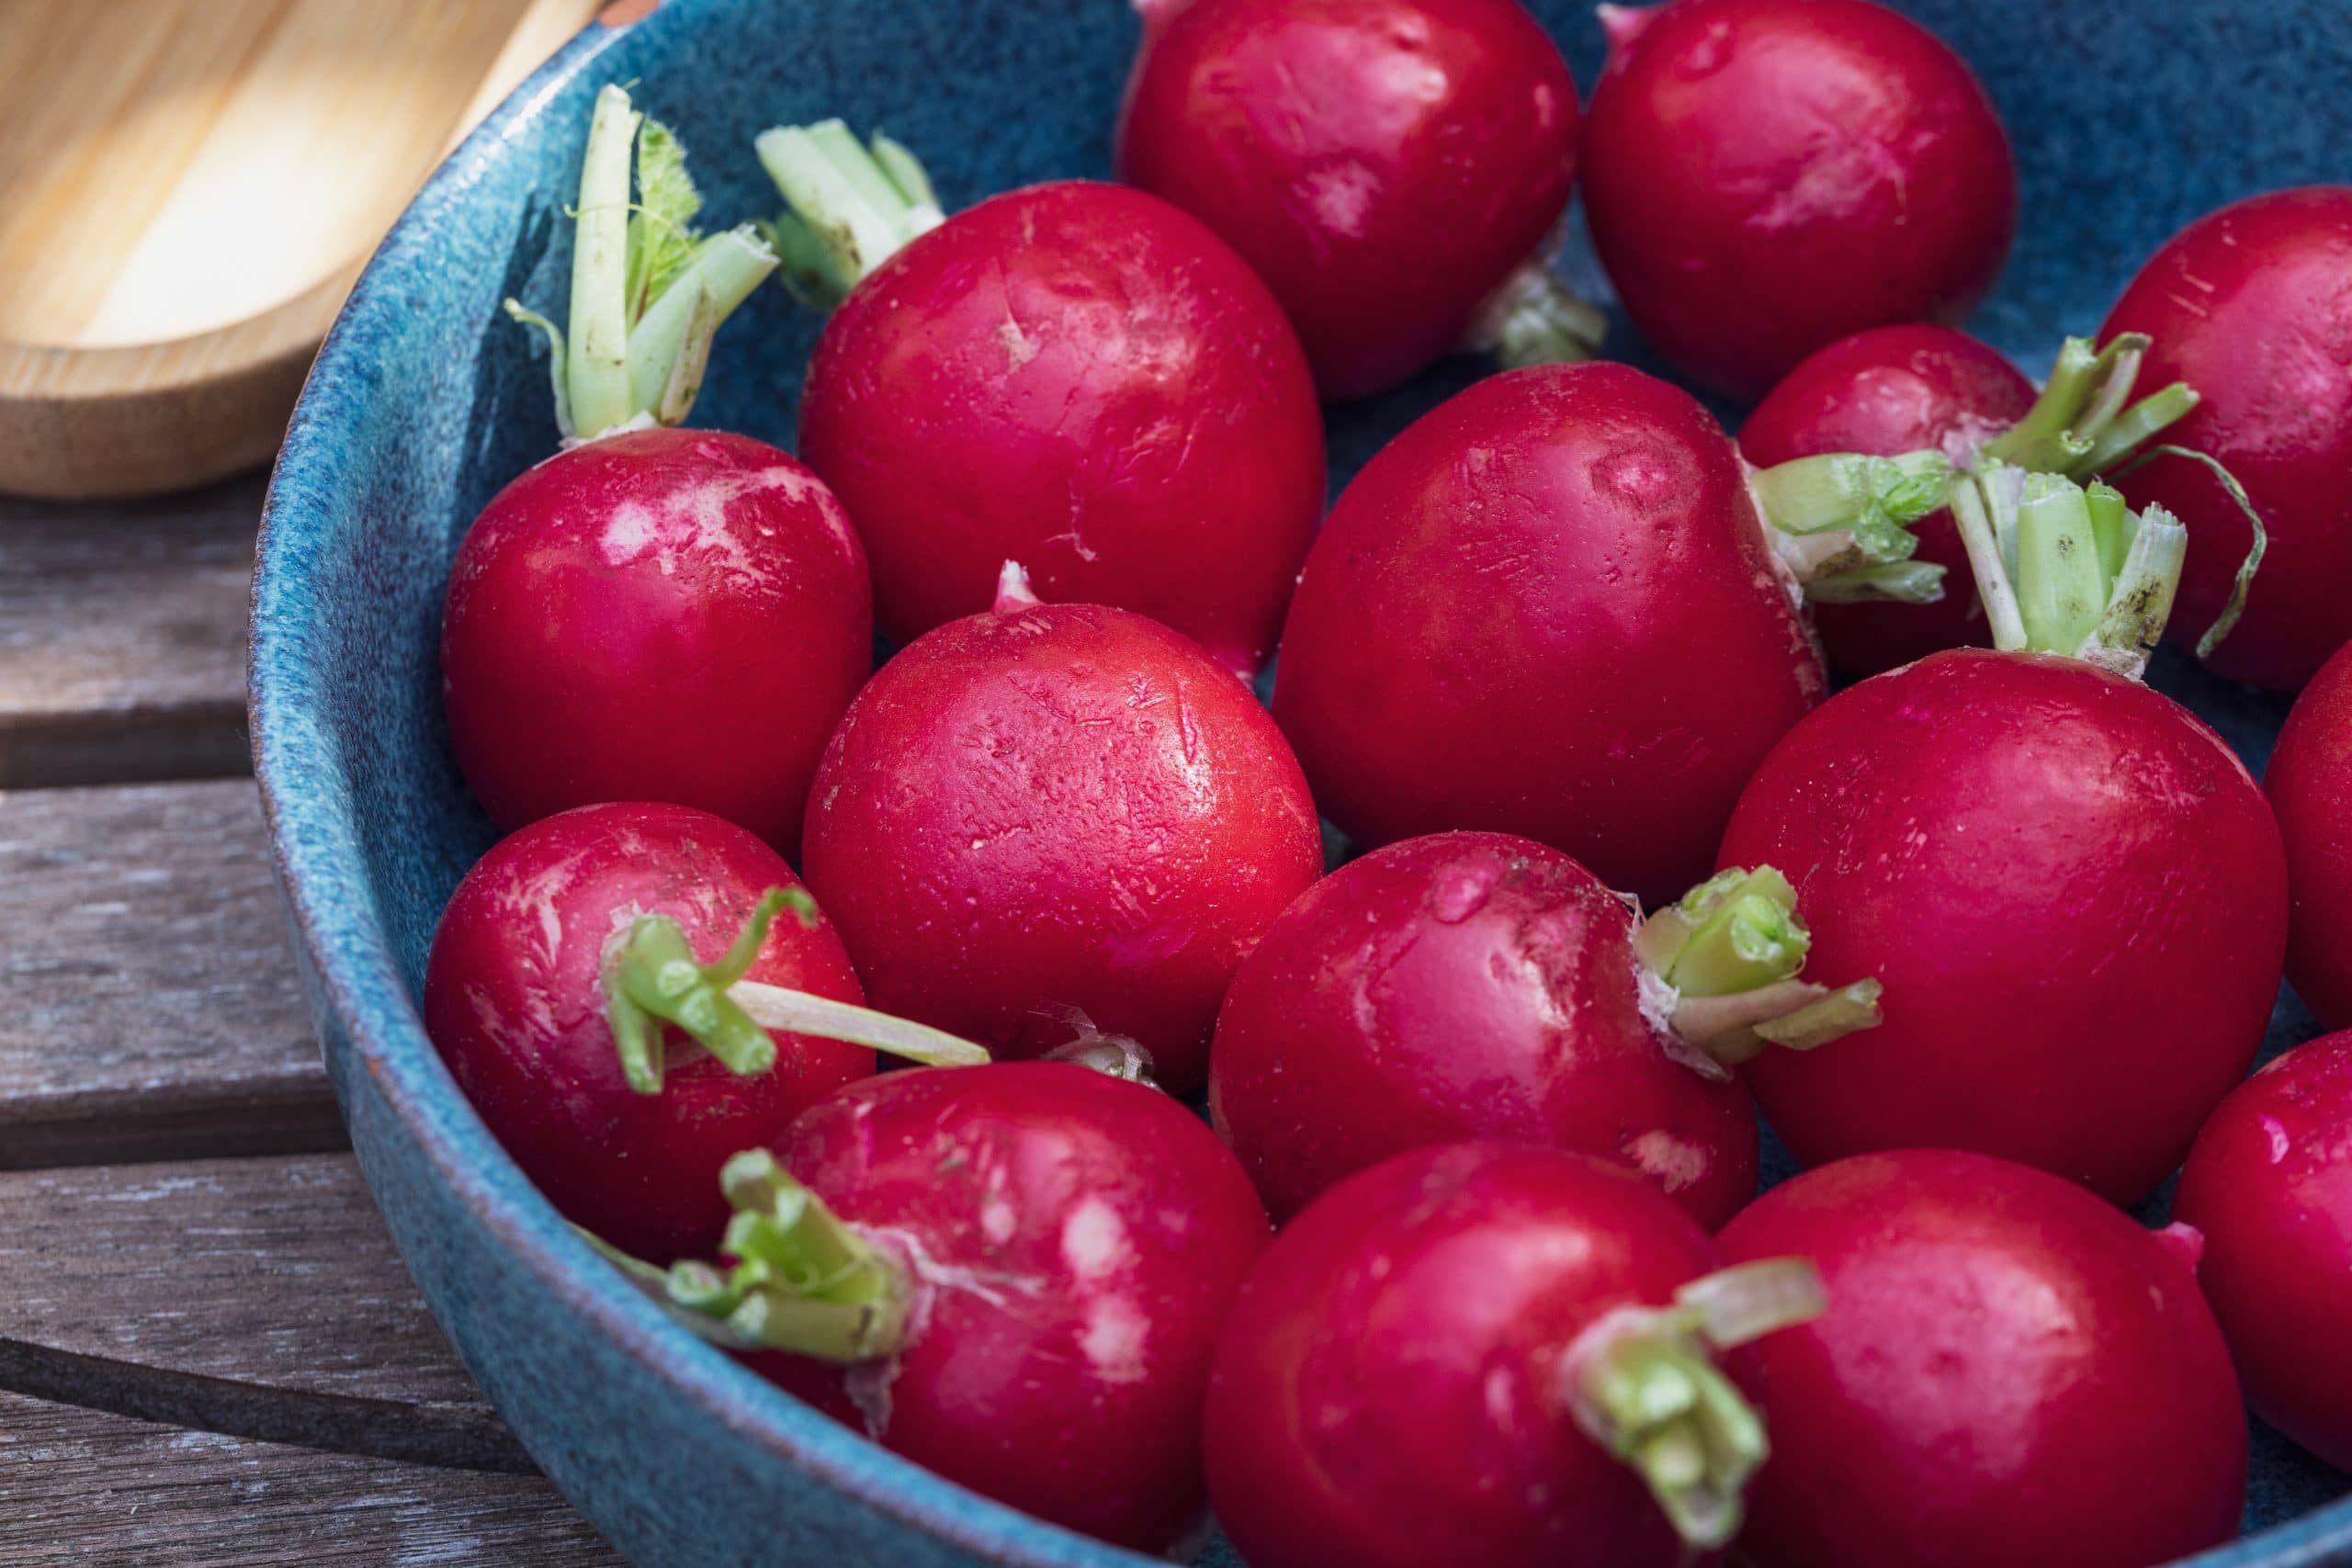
(1479, 986)
(1014, 1275)
(1396, 170)
(652, 613)
(2009, 1372)
(1480, 1353)
(2309, 784)
(576, 953)
(1057, 810)
(1888, 391)
(1766, 176)
(1548, 608)
(2249, 306)
(1078, 376)
(2071, 889)
(2270, 1183)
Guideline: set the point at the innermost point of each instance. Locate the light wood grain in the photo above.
(187, 189)
(153, 1011)
(81, 1486)
(260, 1297)
(122, 638)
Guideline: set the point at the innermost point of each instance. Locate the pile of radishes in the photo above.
(1990, 935)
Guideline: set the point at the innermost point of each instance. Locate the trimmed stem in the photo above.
(799, 1013)
(852, 206)
(2084, 419)
(1727, 956)
(1841, 521)
(2061, 589)
(646, 297)
(2074, 572)
(803, 1280)
(1641, 1383)
(1534, 318)
(653, 981)
(597, 366)
(1014, 594)
(1973, 520)
(672, 343)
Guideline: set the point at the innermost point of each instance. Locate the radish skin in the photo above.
(1395, 169)
(2249, 306)
(516, 1001)
(1766, 176)
(2310, 785)
(1054, 810)
(1493, 1354)
(2009, 1371)
(2270, 1183)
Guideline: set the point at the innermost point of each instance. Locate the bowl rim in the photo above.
(314, 844)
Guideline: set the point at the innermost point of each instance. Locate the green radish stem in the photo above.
(803, 1280)
(851, 206)
(1721, 967)
(648, 293)
(2228, 618)
(1840, 522)
(1643, 1383)
(1534, 318)
(652, 980)
(2065, 568)
(2085, 419)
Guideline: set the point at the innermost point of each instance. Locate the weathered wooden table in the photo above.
(210, 1353)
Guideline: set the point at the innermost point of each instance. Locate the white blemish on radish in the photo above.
(1501, 1401)
(2281, 1144)
(998, 1220)
(1094, 1242)
(1676, 1162)
(1113, 1340)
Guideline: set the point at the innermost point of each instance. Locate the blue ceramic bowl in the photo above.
(2129, 121)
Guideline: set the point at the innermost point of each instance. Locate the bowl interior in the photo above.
(2127, 122)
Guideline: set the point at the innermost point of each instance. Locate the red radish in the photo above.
(1481, 1353)
(1393, 169)
(516, 1001)
(2009, 1372)
(1766, 176)
(1077, 377)
(2270, 1183)
(1549, 608)
(1887, 391)
(1055, 809)
(2248, 305)
(1480, 985)
(2309, 784)
(655, 614)
(2071, 889)
(1014, 1275)
(672, 614)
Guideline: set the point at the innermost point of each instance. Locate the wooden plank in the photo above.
(81, 1486)
(259, 1297)
(153, 1011)
(122, 638)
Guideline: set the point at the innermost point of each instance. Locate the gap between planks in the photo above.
(256, 1297)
